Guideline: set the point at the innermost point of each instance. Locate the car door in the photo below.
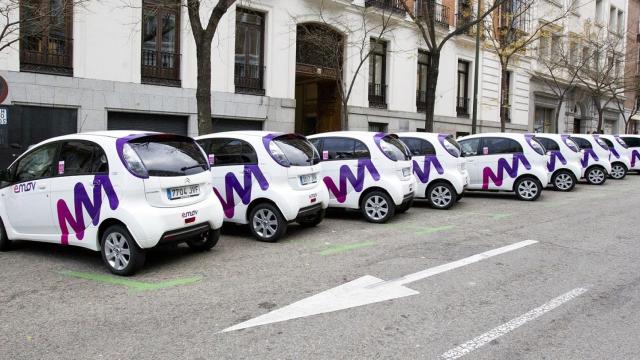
(235, 174)
(28, 195)
(426, 165)
(77, 192)
(499, 164)
(472, 157)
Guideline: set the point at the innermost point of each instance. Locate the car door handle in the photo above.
(42, 187)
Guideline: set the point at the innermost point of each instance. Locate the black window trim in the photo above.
(59, 154)
(322, 139)
(210, 151)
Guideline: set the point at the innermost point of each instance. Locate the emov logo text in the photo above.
(24, 187)
(423, 174)
(81, 201)
(232, 185)
(635, 155)
(357, 181)
(503, 166)
(555, 156)
(585, 159)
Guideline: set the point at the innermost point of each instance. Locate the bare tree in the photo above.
(510, 33)
(329, 49)
(432, 21)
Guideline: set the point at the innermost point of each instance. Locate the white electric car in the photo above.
(633, 142)
(564, 160)
(367, 171)
(620, 156)
(506, 162)
(266, 180)
(595, 162)
(440, 171)
(115, 192)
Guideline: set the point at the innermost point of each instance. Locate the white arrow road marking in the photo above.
(505, 328)
(365, 290)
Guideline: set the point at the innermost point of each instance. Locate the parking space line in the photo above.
(137, 286)
(431, 230)
(513, 324)
(340, 248)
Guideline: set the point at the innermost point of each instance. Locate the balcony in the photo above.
(462, 107)
(421, 101)
(386, 5)
(378, 96)
(160, 68)
(462, 19)
(430, 8)
(46, 55)
(249, 79)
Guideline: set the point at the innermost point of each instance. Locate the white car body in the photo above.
(620, 155)
(633, 143)
(348, 179)
(260, 178)
(597, 154)
(73, 208)
(564, 155)
(501, 170)
(435, 159)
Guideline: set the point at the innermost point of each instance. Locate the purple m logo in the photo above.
(357, 181)
(503, 166)
(232, 186)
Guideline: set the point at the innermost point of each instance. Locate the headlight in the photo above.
(406, 171)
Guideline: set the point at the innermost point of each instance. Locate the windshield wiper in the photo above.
(193, 167)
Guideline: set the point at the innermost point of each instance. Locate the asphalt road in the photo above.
(59, 303)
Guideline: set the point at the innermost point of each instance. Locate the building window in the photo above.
(378, 127)
(462, 103)
(249, 59)
(507, 96)
(46, 44)
(620, 22)
(613, 16)
(573, 53)
(599, 11)
(423, 68)
(544, 121)
(377, 74)
(161, 42)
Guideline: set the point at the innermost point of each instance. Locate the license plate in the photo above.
(406, 172)
(308, 179)
(183, 192)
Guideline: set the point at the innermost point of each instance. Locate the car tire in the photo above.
(441, 196)
(563, 180)
(596, 175)
(120, 253)
(5, 243)
(528, 189)
(404, 208)
(313, 220)
(205, 242)
(267, 223)
(377, 207)
(618, 171)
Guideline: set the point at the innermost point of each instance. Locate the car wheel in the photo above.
(528, 189)
(596, 176)
(267, 223)
(377, 207)
(618, 171)
(563, 181)
(441, 196)
(313, 220)
(5, 243)
(206, 241)
(120, 253)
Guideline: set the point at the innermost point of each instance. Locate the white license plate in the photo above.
(183, 192)
(308, 179)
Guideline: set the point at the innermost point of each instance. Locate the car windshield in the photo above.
(169, 155)
(394, 149)
(298, 150)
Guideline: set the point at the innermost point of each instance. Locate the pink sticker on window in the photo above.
(60, 167)
(212, 159)
(485, 150)
(325, 155)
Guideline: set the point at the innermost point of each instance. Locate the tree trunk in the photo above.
(430, 94)
(203, 89)
(504, 99)
(557, 114)
(345, 114)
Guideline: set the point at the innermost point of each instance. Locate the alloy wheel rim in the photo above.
(376, 207)
(596, 176)
(528, 189)
(117, 251)
(441, 196)
(617, 172)
(564, 181)
(265, 223)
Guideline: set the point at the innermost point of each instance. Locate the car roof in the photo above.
(517, 136)
(360, 135)
(239, 133)
(427, 135)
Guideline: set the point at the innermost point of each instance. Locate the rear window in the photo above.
(452, 146)
(297, 150)
(549, 144)
(169, 155)
(583, 143)
(394, 149)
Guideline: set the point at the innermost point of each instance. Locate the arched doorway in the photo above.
(319, 61)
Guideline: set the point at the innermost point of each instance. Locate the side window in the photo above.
(549, 144)
(37, 164)
(361, 151)
(419, 147)
(232, 152)
(608, 142)
(469, 146)
(205, 145)
(631, 141)
(344, 149)
(316, 143)
(83, 158)
(584, 144)
(500, 146)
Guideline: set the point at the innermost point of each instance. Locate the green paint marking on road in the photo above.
(499, 216)
(134, 285)
(432, 230)
(340, 248)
